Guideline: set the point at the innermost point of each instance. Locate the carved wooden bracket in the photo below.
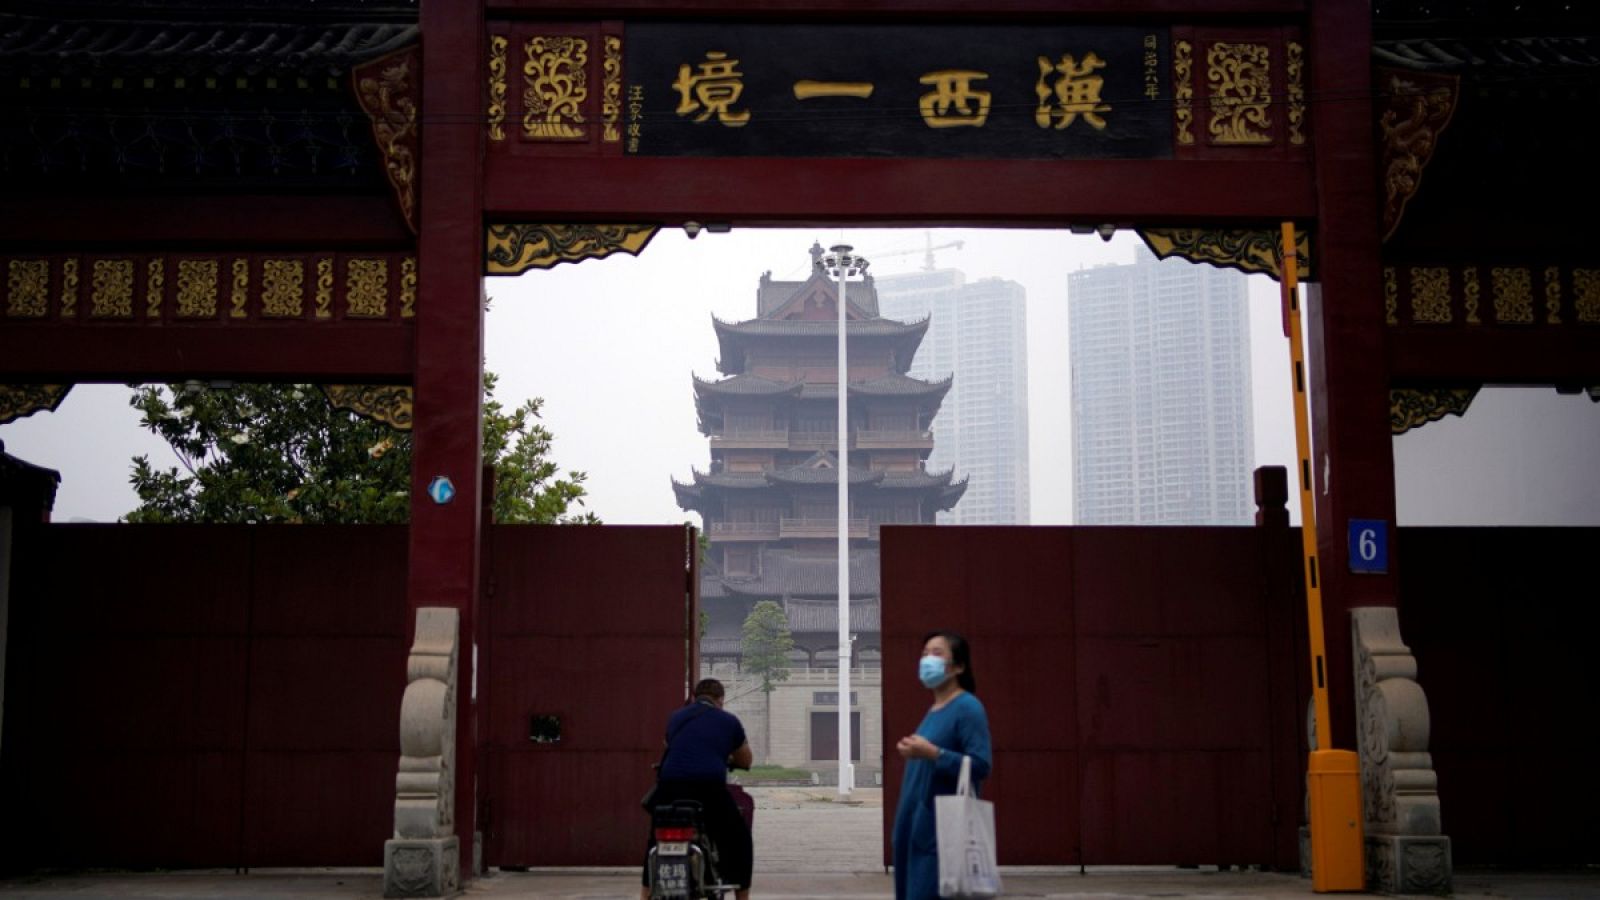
(390, 404)
(20, 400)
(388, 89)
(1245, 250)
(1419, 109)
(1415, 407)
(513, 249)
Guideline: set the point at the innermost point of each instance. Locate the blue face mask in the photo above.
(932, 671)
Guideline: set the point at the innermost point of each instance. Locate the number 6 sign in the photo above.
(1369, 546)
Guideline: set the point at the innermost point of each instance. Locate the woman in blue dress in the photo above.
(955, 726)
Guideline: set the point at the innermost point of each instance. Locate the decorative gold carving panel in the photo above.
(1471, 290)
(149, 287)
(111, 294)
(611, 97)
(1183, 90)
(1297, 93)
(390, 404)
(197, 288)
(1239, 79)
(1430, 294)
(517, 248)
(1535, 293)
(69, 289)
(1391, 296)
(324, 288)
(1412, 408)
(1586, 291)
(1513, 295)
(1552, 295)
(367, 288)
(408, 287)
(28, 288)
(1245, 250)
(19, 400)
(155, 287)
(497, 87)
(557, 86)
(239, 299)
(282, 288)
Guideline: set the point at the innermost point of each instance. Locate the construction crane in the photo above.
(927, 265)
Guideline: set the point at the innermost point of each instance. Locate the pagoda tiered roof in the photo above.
(822, 616)
(709, 394)
(772, 296)
(747, 385)
(948, 491)
(790, 573)
(735, 338)
(894, 384)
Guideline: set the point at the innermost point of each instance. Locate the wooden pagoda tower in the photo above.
(769, 500)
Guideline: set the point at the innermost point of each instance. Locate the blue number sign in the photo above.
(1369, 546)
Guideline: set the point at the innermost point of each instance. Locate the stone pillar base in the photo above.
(1399, 864)
(422, 867)
(1305, 852)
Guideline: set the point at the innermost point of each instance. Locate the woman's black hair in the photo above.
(960, 655)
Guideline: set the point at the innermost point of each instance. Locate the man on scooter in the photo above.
(703, 741)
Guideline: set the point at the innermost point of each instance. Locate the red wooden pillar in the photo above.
(448, 373)
(1352, 450)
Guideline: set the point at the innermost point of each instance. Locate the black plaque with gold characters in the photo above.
(907, 91)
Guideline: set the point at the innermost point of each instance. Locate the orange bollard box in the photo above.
(1334, 783)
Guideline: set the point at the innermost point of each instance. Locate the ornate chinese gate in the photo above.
(214, 238)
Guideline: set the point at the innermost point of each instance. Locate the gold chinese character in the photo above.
(947, 105)
(1077, 92)
(807, 90)
(714, 90)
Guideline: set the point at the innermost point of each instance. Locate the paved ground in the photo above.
(807, 848)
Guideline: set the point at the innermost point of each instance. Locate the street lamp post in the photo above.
(842, 263)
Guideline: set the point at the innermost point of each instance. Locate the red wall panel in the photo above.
(591, 625)
(1126, 672)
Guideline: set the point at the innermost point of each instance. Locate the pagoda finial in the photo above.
(816, 256)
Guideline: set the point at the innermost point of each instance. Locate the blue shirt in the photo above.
(701, 738)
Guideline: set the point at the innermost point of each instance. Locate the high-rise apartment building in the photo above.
(977, 332)
(1161, 413)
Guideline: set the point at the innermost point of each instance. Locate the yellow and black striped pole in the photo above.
(1333, 776)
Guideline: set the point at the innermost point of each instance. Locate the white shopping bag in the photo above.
(965, 827)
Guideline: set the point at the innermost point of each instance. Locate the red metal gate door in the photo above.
(1139, 684)
(589, 649)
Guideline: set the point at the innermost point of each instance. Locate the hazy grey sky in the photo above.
(610, 345)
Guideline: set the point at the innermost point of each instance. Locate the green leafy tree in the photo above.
(767, 643)
(282, 453)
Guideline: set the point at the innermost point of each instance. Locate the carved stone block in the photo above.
(421, 868)
(1397, 864)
